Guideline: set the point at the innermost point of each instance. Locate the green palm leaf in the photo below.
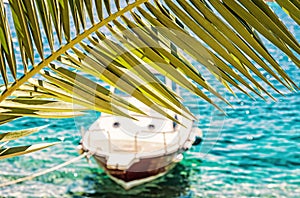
(122, 48)
(19, 134)
(21, 150)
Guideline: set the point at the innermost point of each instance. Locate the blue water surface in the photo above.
(254, 151)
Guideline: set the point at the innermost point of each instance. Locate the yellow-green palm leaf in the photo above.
(73, 42)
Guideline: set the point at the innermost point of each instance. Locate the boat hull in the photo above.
(133, 152)
(145, 170)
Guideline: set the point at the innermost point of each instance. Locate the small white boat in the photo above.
(134, 152)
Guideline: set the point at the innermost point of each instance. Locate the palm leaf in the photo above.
(21, 150)
(31, 101)
(19, 134)
(7, 118)
(292, 8)
(123, 47)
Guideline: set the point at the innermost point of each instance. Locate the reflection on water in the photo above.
(174, 184)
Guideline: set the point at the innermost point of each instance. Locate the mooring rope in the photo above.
(85, 154)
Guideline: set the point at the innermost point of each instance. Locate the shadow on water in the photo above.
(174, 184)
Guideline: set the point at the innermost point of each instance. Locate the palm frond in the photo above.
(121, 43)
(22, 150)
(30, 101)
(8, 136)
(8, 152)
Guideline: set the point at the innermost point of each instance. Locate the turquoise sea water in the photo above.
(253, 152)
